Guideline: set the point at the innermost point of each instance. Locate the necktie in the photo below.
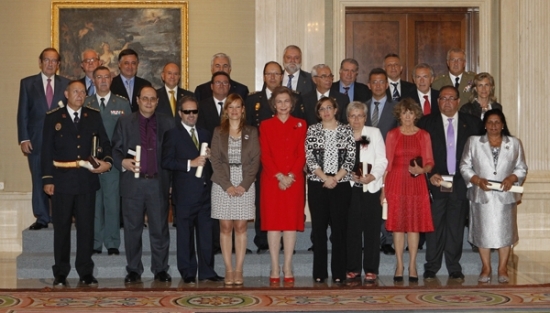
(346, 89)
(91, 90)
(49, 93)
(457, 82)
(375, 114)
(102, 104)
(451, 149)
(221, 107)
(76, 119)
(289, 84)
(128, 90)
(395, 95)
(172, 102)
(194, 138)
(427, 106)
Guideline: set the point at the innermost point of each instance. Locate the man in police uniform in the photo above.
(67, 144)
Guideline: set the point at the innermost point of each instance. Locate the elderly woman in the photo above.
(365, 212)
(494, 157)
(330, 156)
(483, 96)
(282, 179)
(235, 158)
(405, 185)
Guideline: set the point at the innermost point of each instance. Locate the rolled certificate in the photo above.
(384, 209)
(446, 184)
(198, 173)
(498, 187)
(137, 158)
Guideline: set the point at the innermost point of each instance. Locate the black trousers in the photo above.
(329, 205)
(83, 208)
(364, 217)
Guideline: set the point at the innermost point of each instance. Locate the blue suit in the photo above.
(191, 196)
(31, 113)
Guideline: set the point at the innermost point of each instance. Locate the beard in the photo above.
(292, 68)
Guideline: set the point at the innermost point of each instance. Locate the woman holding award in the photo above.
(493, 158)
(409, 153)
(365, 212)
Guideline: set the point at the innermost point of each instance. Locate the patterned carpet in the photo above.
(474, 299)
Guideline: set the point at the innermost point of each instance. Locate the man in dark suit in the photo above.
(180, 154)
(144, 187)
(107, 201)
(68, 134)
(449, 132)
(423, 94)
(127, 84)
(294, 77)
(221, 62)
(397, 86)
(170, 93)
(89, 62)
(38, 94)
(349, 68)
(210, 109)
(380, 114)
(322, 77)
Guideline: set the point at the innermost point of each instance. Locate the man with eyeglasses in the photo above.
(424, 95)
(127, 84)
(322, 77)
(349, 68)
(398, 88)
(107, 201)
(462, 80)
(171, 92)
(144, 186)
(449, 132)
(89, 62)
(221, 62)
(37, 95)
(294, 77)
(191, 194)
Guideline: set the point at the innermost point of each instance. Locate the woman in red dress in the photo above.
(282, 198)
(405, 185)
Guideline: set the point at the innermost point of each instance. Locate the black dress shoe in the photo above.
(429, 275)
(163, 277)
(88, 280)
(387, 250)
(60, 280)
(248, 251)
(310, 248)
(217, 251)
(456, 275)
(37, 226)
(189, 280)
(261, 250)
(214, 279)
(97, 251)
(113, 251)
(132, 278)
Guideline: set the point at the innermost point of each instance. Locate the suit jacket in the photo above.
(208, 115)
(305, 83)
(374, 154)
(65, 142)
(407, 89)
(310, 101)
(465, 86)
(258, 108)
(250, 157)
(386, 120)
(117, 106)
(32, 107)
(467, 126)
(204, 91)
(164, 101)
(473, 108)
(361, 92)
(177, 149)
(434, 94)
(478, 160)
(118, 88)
(126, 137)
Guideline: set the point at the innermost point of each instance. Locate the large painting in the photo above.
(157, 31)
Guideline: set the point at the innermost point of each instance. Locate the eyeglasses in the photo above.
(90, 61)
(221, 83)
(356, 117)
(456, 60)
(329, 108)
(187, 112)
(273, 74)
(148, 100)
(448, 99)
(52, 61)
(324, 76)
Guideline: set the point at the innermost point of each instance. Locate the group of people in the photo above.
(224, 157)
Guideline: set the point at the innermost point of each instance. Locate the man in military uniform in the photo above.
(257, 110)
(107, 200)
(457, 76)
(67, 144)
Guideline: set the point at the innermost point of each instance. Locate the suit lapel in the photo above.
(39, 89)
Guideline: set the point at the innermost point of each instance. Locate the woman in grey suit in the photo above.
(493, 157)
(235, 158)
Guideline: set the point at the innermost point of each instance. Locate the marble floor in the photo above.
(525, 268)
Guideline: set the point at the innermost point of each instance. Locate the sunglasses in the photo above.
(190, 111)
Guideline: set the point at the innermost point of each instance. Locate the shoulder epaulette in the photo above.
(471, 73)
(53, 110)
(253, 93)
(123, 97)
(91, 108)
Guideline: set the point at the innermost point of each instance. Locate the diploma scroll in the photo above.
(204, 145)
(498, 187)
(384, 209)
(137, 158)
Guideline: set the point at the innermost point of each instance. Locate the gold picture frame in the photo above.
(157, 30)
